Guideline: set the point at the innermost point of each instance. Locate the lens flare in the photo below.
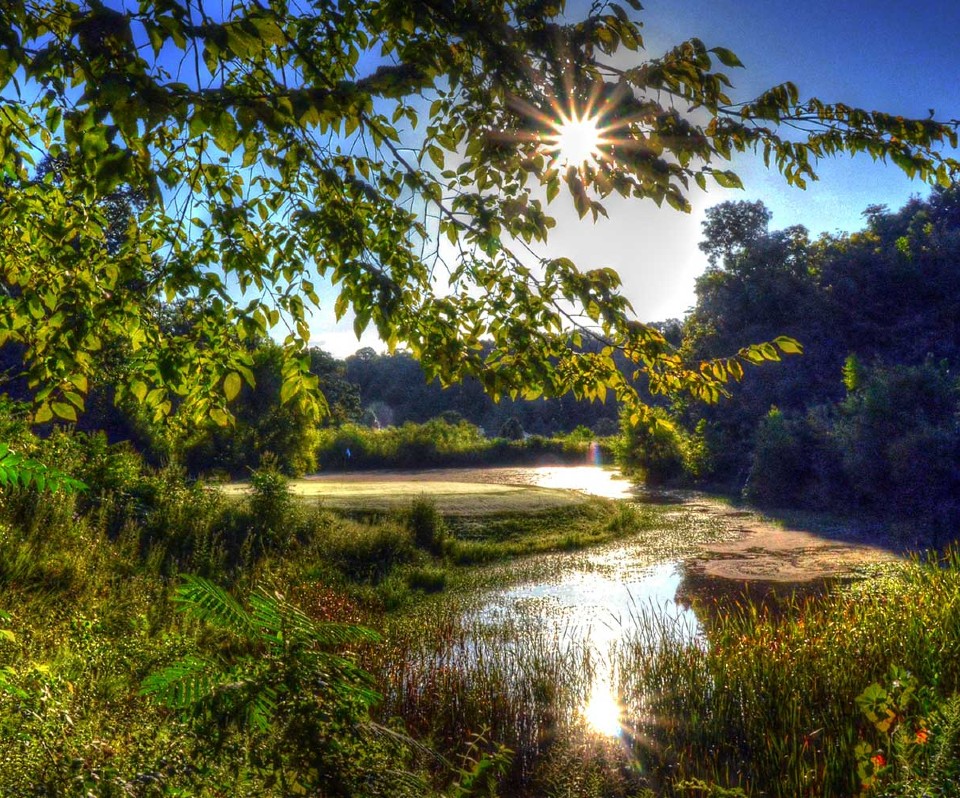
(576, 142)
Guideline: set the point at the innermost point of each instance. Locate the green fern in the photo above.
(281, 650)
(184, 684)
(201, 599)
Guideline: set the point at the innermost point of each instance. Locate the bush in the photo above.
(270, 498)
(901, 443)
(368, 552)
(426, 525)
(512, 429)
(427, 579)
(651, 448)
(780, 466)
(916, 751)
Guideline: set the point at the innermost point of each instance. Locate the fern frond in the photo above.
(340, 634)
(261, 708)
(272, 613)
(185, 683)
(267, 616)
(208, 602)
(238, 693)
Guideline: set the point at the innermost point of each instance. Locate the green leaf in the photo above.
(788, 346)
(65, 411)
(726, 57)
(727, 179)
(436, 155)
(289, 389)
(231, 385)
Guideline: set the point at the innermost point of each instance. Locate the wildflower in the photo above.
(922, 736)
(879, 760)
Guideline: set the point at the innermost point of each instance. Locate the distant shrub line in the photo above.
(439, 444)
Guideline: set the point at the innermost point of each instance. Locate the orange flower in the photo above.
(879, 760)
(922, 736)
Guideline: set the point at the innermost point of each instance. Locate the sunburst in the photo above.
(574, 133)
(576, 140)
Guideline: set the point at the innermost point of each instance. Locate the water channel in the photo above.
(572, 656)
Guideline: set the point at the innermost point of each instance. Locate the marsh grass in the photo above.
(769, 704)
(449, 675)
(764, 700)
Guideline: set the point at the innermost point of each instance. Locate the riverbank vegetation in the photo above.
(183, 191)
(108, 688)
(120, 675)
(440, 443)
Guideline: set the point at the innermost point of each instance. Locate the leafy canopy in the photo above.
(279, 146)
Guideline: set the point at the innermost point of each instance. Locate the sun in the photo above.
(575, 141)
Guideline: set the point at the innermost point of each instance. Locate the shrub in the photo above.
(270, 498)
(916, 752)
(369, 552)
(901, 443)
(651, 447)
(428, 579)
(512, 429)
(426, 525)
(780, 464)
(288, 691)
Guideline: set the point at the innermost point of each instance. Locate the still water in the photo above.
(587, 611)
(592, 599)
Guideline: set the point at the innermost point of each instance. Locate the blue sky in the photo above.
(897, 57)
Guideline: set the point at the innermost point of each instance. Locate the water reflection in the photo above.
(590, 479)
(602, 710)
(586, 612)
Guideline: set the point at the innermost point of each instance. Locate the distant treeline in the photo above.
(866, 420)
(393, 390)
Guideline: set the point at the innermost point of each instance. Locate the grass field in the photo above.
(391, 491)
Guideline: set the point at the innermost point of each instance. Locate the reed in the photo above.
(768, 701)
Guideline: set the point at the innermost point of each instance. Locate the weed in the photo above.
(427, 579)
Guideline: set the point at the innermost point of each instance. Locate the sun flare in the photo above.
(576, 142)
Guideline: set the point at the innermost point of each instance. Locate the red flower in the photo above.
(922, 736)
(879, 760)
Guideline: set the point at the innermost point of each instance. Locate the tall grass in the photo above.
(765, 700)
(769, 704)
(449, 674)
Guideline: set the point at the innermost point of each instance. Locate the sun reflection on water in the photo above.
(587, 614)
(585, 479)
(602, 711)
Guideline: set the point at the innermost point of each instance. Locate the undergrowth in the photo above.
(91, 588)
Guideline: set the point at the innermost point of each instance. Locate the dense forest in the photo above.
(867, 419)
